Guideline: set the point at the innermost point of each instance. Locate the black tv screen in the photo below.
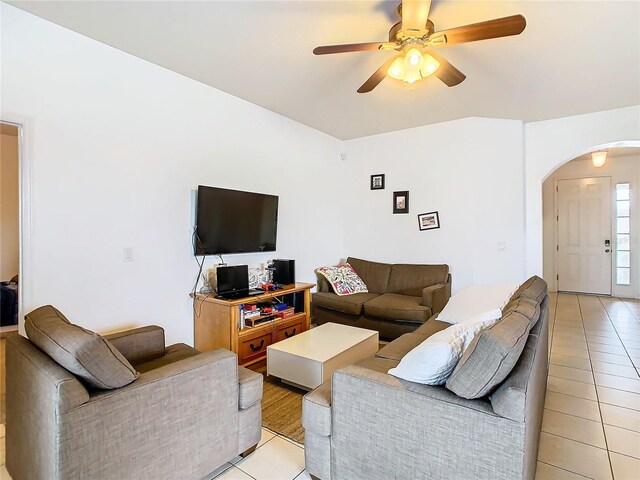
(231, 221)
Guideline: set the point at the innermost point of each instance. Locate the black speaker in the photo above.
(284, 271)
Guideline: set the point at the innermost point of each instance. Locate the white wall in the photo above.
(117, 147)
(624, 169)
(469, 170)
(9, 208)
(551, 143)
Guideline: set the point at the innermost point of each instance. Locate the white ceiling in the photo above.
(574, 56)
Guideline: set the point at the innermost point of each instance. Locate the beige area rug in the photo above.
(282, 408)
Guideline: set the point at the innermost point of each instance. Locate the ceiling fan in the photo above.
(414, 37)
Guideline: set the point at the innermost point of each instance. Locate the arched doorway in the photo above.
(590, 223)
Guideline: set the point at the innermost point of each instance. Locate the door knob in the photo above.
(607, 251)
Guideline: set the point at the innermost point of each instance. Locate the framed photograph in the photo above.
(377, 181)
(401, 202)
(428, 221)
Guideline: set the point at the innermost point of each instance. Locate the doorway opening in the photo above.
(591, 222)
(9, 226)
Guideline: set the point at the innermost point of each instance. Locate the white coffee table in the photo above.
(308, 359)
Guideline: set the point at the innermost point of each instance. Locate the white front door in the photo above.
(584, 235)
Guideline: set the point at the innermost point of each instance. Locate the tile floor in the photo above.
(591, 424)
(276, 458)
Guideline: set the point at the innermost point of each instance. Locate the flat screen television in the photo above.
(232, 221)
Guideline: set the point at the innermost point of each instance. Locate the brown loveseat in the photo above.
(401, 297)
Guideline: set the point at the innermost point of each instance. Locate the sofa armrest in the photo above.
(36, 384)
(139, 344)
(323, 284)
(436, 296)
(250, 388)
(400, 429)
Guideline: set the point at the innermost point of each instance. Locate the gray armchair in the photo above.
(185, 415)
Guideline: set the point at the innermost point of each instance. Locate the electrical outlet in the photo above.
(502, 246)
(127, 254)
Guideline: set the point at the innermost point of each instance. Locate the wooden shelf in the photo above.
(268, 325)
(216, 323)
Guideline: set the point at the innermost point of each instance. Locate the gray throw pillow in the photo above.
(84, 353)
(490, 357)
(526, 306)
(534, 288)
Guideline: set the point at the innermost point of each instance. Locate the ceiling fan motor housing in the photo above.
(396, 34)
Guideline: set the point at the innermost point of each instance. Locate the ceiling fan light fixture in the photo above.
(396, 70)
(413, 58)
(598, 158)
(429, 65)
(404, 68)
(412, 75)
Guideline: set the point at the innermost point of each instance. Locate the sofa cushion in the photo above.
(401, 346)
(430, 327)
(173, 353)
(316, 410)
(82, 352)
(485, 301)
(139, 344)
(249, 388)
(490, 357)
(392, 306)
(510, 398)
(377, 364)
(343, 279)
(412, 279)
(534, 288)
(375, 275)
(346, 303)
(432, 361)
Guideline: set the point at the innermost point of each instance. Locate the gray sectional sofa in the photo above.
(367, 424)
(401, 297)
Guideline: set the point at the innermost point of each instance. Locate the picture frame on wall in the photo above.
(428, 221)
(377, 181)
(401, 202)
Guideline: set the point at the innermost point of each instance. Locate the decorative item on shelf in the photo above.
(377, 181)
(428, 221)
(401, 202)
(258, 276)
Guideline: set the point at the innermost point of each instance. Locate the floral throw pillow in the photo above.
(343, 279)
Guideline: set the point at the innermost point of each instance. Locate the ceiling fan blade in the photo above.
(446, 72)
(352, 47)
(377, 77)
(500, 27)
(414, 14)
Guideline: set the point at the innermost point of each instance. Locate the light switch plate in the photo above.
(127, 254)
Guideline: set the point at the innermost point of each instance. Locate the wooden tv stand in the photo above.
(215, 323)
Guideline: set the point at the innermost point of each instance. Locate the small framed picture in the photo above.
(428, 221)
(377, 181)
(401, 202)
